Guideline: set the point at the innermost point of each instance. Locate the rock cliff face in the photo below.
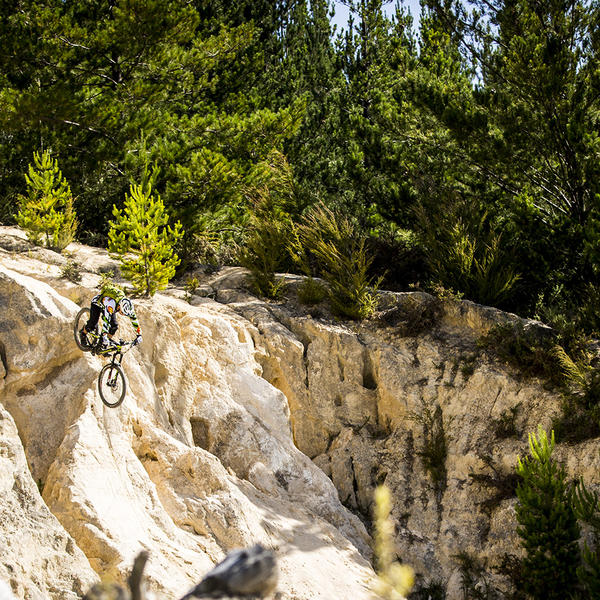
(250, 422)
(408, 400)
(198, 460)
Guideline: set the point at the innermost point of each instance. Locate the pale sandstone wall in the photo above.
(233, 404)
(198, 460)
(360, 396)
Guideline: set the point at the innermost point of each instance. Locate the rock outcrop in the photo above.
(409, 400)
(255, 422)
(197, 461)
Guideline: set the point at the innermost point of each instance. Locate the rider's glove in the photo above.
(138, 340)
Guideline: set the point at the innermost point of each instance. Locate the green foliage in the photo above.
(398, 257)
(492, 130)
(311, 291)
(577, 423)
(548, 527)
(71, 271)
(341, 259)
(107, 278)
(47, 214)
(413, 315)
(264, 250)
(541, 356)
(532, 354)
(586, 505)
(468, 257)
(140, 237)
(572, 313)
(191, 285)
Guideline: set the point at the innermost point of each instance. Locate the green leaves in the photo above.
(47, 214)
(143, 241)
(547, 524)
(341, 258)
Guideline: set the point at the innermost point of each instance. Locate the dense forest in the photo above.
(463, 157)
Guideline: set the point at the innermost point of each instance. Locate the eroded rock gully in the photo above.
(249, 422)
(419, 409)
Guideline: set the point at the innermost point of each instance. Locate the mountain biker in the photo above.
(110, 301)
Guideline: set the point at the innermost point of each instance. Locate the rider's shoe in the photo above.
(101, 346)
(105, 345)
(83, 337)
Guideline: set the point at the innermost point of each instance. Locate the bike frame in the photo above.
(116, 356)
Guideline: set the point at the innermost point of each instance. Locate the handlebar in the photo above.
(123, 346)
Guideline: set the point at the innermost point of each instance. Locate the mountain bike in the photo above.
(112, 384)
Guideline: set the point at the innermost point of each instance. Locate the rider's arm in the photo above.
(134, 322)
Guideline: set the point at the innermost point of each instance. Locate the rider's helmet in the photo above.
(112, 290)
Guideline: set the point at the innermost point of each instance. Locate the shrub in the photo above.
(341, 258)
(576, 423)
(191, 285)
(413, 315)
(265, 247)
(311, 291)
(47, 213)
(547, 525)
(398, 257)
(72, 271)
(468, 255)
(531, 355)
(140, 237)
(586, 505)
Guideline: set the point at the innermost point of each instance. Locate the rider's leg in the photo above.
(90, 325)
(112, 325)
(93, 320)
(105, 331)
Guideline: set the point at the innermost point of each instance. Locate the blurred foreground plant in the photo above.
(394, 580)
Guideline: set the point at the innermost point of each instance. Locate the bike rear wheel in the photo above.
(112, 385)
(81, 319)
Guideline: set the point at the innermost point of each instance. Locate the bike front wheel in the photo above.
(112, 385)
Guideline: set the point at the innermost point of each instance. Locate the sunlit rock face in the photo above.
(248, 422)
(198, 460)
(408, 399)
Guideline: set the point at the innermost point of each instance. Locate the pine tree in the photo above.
(547, 525)
(47, 214)
(533, 132)
(586, 504)
(143, 241)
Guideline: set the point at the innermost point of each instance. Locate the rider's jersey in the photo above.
(108, 306)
